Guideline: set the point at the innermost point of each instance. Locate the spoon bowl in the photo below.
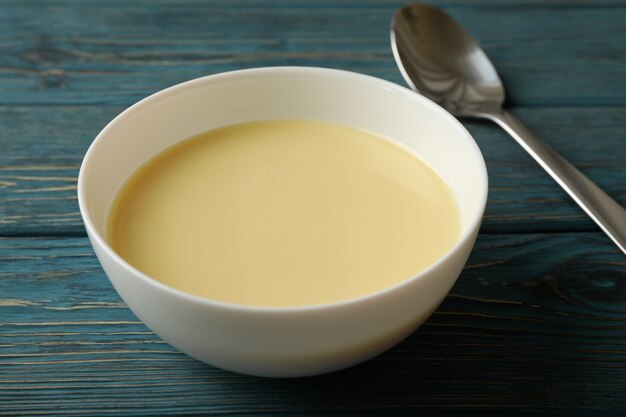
(441, 60)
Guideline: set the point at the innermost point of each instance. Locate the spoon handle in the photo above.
(606, 212)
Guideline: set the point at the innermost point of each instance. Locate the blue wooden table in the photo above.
(536, 324)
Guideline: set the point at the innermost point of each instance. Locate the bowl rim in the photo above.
(467, 231)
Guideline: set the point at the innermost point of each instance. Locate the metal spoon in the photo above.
(442, 61)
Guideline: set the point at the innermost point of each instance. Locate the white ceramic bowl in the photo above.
(282, 342)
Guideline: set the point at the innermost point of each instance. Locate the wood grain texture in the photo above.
(550, 54)
(535, 324)
(41, 150)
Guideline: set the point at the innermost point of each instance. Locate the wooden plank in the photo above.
(41, 150)
(40, 154)
(535, 324)
(557, 53)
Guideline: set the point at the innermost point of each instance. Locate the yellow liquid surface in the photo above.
(284, 213)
